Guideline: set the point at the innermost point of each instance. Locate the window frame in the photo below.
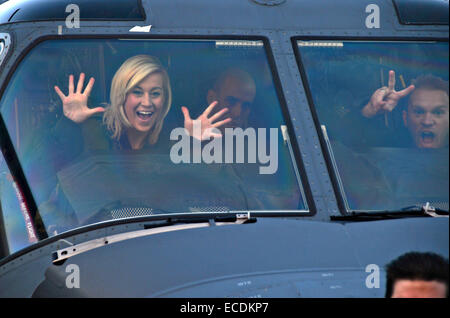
(16, 169)
(329, 161)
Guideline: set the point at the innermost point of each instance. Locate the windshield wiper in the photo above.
(427, 209)
(407, 212)
(211, 219)
(119, 210)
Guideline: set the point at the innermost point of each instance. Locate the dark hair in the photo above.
(430, 82)
(417, 266)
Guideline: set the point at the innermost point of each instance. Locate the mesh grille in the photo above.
(130, 212)
(143, 211)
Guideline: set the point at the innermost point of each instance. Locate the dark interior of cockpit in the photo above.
(31, 109)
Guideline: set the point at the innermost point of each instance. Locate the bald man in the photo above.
(235, 90)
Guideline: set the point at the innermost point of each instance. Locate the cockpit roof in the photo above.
(422, 12)
(44, 10)
(248, 14)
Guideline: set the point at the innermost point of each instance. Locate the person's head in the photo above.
(234, 89)
(426, 116)
(141, 97)
(417, 275)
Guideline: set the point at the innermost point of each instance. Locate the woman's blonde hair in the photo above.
(130, 74)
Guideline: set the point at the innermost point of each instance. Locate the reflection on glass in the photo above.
(385, 108)
(15, 217)
(92, 120)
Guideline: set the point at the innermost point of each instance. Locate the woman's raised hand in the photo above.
(75, 103)
(385, 99)
(207, 124)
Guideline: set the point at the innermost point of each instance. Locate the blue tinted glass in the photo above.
(132, 157)
(388, 139)
(14, 214)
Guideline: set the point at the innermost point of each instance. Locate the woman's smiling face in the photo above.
(144, 104)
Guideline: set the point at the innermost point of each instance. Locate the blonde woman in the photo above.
(141, 98)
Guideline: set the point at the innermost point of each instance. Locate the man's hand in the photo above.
(75, 103)
(385, 99)
(206, 123)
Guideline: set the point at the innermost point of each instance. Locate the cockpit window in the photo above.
(383, 111)
(107, 129)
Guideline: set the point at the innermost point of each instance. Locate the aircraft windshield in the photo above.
(132, 157)
(387, 140)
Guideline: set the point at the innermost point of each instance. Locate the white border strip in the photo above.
(89, 245)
